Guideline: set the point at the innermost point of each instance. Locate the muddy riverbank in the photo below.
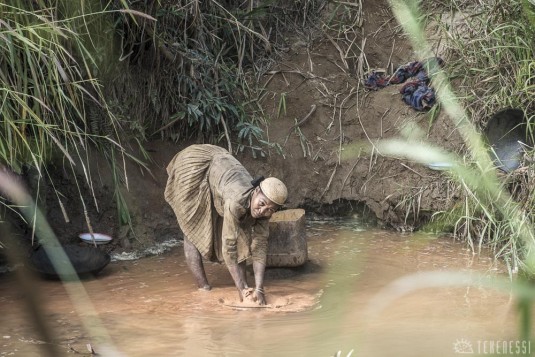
(315, 84)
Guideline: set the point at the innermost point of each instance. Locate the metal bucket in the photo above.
(287, 244)
(506, 135)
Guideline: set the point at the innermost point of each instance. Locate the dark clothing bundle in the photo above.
(415, 93)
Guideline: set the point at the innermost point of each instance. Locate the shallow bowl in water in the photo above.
(85, 260)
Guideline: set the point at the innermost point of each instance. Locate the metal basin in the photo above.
(506, 135)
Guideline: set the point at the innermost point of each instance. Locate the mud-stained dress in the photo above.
(210, 191)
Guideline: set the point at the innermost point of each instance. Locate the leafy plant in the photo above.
(193, 69)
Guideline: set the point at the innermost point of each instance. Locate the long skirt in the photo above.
(188, 193)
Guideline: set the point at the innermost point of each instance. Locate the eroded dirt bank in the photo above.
(323, 92)
(318, 80)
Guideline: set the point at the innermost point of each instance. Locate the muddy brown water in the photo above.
(150, 306)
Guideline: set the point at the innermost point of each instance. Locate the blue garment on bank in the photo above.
(416, 93)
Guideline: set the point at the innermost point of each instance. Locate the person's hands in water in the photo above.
(258, 296)
(246, 294)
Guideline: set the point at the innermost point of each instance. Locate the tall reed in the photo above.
(489, 51)
(53, 108)
(489, 71)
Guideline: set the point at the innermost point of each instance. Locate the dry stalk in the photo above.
(337, 65)
(340, 122)
(221, 117)
(334, 113)
(388, 177)
(300, 122)
(416, 172)
(388, 64)
(329, 183)
(349, 174)
(315, 158)
(326, 90)
(310, 64)
(63, 210)
(348, 3)
(350, 46)
(306, 75)
(380, 28)
(371, 160)
(285, 79)
(364, 185)
(362, 58)
(305, 144)
(168, 125)
(340, 52)
(382, 117)
(365, 133)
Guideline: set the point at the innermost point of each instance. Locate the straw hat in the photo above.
(274, 190)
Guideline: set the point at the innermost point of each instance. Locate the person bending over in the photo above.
(223, 213)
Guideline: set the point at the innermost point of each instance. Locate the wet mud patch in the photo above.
(278, 299)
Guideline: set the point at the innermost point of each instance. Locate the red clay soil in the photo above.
(348, 114)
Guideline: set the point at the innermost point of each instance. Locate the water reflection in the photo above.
(150, 306)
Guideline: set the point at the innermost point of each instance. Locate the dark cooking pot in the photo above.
(86, 260)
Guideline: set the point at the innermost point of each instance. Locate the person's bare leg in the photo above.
(241, 270)
(195, 265)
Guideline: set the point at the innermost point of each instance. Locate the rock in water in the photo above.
(287, 244)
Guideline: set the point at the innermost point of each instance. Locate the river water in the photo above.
(337, 303)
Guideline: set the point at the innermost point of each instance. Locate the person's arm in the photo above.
(229, 238)
(259, 246)
(258, 293)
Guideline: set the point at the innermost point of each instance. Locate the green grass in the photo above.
(48, 89)
(489, 49)
(488, 70)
